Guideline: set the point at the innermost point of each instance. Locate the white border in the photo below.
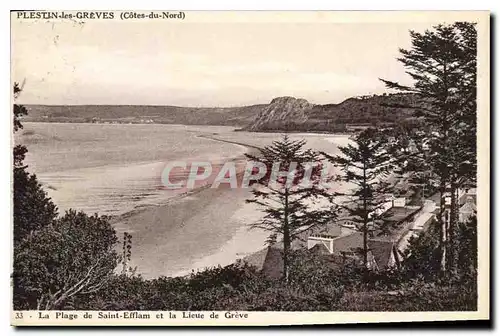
(5, 123)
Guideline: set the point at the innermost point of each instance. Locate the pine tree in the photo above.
(32, 208)
(364, 163)
(287, 201)
(442, 63)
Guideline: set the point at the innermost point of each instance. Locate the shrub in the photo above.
(74, 255)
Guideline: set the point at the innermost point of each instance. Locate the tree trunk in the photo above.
(442, 229)
(453, 218)
(286, 240)
(365, 223)
(365, 242)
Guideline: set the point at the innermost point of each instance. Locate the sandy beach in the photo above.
(192, 232)
(204, 227)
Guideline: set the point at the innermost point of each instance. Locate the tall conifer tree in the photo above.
(442, 64)
(365, 164)
(290, 205)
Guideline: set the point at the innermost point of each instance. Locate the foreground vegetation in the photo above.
(313, 286)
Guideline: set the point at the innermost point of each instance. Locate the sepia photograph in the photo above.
(211, 168)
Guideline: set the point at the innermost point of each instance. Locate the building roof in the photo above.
(381, 251)
(257, 259)
(399, 214)
(396, 223)
(468, 207)
(319, 249)
(332, 229)
(349, 243)
(428, 222)
(299, 243)
(472, 191)
(268, 260)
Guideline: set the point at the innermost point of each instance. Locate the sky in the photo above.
(204, 63)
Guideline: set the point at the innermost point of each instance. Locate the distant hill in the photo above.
(292, 114)
(230, 116)
(282, 113)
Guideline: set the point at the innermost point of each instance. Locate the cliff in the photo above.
(281, 111)
(291, 114)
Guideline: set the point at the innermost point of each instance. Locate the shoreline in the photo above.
(219, 241)
(250, 149)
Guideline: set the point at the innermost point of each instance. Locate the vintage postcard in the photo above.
(256, 168)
